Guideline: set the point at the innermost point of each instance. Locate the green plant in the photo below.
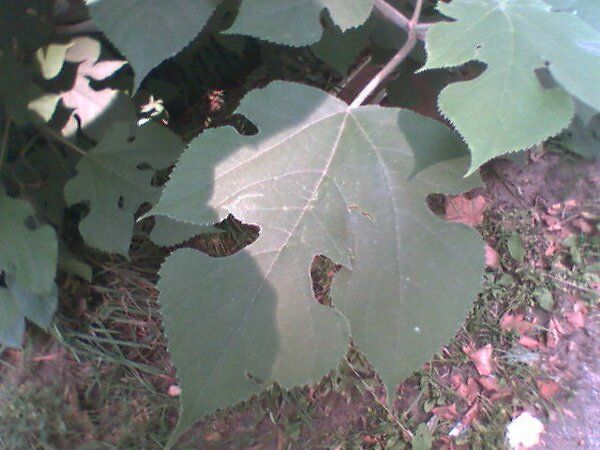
(316, 175)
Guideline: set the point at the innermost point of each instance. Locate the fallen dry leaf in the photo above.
(369, 440)
(577, 317)
(552, 222)
(482, 358)
(464, 210)
(548, 388)
(529, 342)
(492, 257)
(447, 412)
(551, 249)
(489, 383)
(555, 330)
(584, 226)
(469, 391)
(516, 323)
(212, 436)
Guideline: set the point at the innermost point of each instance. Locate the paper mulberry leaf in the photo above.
(341, 49)
(91, 109)
(506, 108)
(149, 31)
(28, 258)
(28, 250)
(16, 304)
(294, 22)
(319, 178)
(12, 322)
(115, 179)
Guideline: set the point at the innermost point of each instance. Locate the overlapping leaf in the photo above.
(318, 178)
(28, 251)
(115, 179)
(150, 31)
(17, 304)
(25, 28)
(28, 257)
(340, 49)
(584, 138)
(91, 109)
(29, 102)
(297, 23)
(506, 108)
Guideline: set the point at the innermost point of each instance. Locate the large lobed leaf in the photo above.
(318, 178)
(28, 257)
(506, 108)
(150, 31)
(297, 23)
(115, 177)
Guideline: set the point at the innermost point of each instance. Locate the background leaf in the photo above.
(93, 110)
(149, 31)
(12, 323)
(340, 49)
(506, 108)
(28, 250)
(294, 22)
(320, 179)
(115, 178)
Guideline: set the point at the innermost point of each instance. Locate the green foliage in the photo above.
(584, 138)
(340, 48)
(149, 31)
(507, 109)
(318, 178)
(28, 256)
(350, 184)
(293, 22)
(115, 177)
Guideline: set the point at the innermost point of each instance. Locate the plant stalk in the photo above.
(396, 60)
(49, 133)
(399, 19)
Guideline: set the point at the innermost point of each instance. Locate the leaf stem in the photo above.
(4, 144)
(49, 133)
(396, 60)
(399, 19)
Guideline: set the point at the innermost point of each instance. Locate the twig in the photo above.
(4, 144)
(50, 133)
(395, 61)
(396, 17)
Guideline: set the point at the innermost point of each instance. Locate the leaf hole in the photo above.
(31, 223)
(121, 202)
(236, 235)
(322, 271)
(243, 125)
(144, 166)
(437, 204)
(545, 78)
